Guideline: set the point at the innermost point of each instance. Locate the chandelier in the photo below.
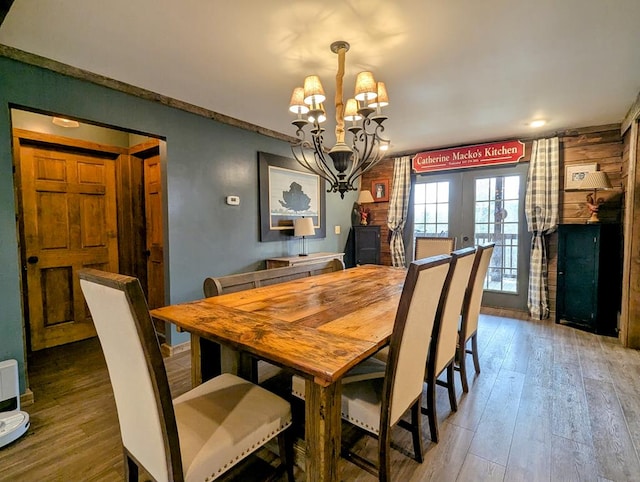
(363, 113)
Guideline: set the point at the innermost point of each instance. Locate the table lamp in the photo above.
(595, 180)
(364, 197)
(303, 227)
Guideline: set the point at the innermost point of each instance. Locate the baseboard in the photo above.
(170, 350)
(505, 313)
(26, 398)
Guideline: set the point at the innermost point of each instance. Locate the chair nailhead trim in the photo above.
(355, 421)
(248, 451)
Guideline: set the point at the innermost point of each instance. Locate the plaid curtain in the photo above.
(541, 209)
(398, 208)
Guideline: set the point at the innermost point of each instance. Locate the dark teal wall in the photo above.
(206, 161)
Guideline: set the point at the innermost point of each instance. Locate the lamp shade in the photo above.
(366, 88)
(351, 111)
(383, 98)
(313, 91)
(303, 227)
(297, 105)
(596, 180)
(365, 197)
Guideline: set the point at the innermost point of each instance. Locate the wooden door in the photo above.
(69, 221)
(153, 215)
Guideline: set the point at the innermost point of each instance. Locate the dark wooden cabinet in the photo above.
(363, 246)
(589, 276)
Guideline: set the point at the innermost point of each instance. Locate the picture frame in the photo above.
(575, 173)
(380, 190)
(288, 192)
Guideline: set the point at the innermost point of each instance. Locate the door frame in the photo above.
(465, 182)
(129, 198)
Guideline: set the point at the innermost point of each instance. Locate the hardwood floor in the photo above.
(552, 403)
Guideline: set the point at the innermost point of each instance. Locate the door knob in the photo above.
(32, 259)
(465, 238)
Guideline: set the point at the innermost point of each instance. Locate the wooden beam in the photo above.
(563, 134)
(77, 73)
(632, 115)
(50, 139)
(5, 6)
(629, 329)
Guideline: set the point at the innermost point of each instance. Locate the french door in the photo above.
(479, 206)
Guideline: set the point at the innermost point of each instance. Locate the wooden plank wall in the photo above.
(631, 336)
(601, 144)
(379, 210)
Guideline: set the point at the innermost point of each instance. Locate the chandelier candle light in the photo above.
(363, 113)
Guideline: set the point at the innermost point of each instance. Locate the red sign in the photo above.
(470, 156)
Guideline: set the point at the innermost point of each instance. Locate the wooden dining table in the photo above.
(319, 327)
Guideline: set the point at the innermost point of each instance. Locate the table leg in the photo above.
(322, 431)
(205, 360)
(196, 370)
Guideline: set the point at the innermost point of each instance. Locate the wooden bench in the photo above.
(266, 277)
(223, 359)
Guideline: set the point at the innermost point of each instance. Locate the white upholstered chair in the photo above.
(444, 341)
(471, 312)
(199, 435)
(426, 246)
(377, 404)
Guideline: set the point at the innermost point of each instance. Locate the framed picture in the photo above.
(380, 190)
(575, 173)
(288, 192)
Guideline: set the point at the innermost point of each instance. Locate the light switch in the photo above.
(336, 229)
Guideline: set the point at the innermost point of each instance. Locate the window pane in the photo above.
(443, 212)
(419, 194)
(443, 230)
(443, 191)
(431, 192)
(511, 208)
(496, 212)
(511, 187)
(430, 213)
(482, 189)
(431, 208)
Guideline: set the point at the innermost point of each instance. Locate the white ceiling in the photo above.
(457, 71)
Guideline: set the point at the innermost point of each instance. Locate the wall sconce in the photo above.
(365, 197)
(595, 180)
(303, 227)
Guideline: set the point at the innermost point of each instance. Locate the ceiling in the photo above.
(457, 72)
